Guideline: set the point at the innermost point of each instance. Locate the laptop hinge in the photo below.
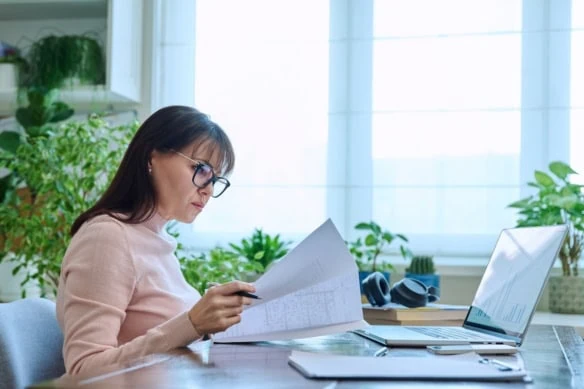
(515, 339)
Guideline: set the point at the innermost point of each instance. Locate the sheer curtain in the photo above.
(577, 89)
(261, 72)
(446, 120)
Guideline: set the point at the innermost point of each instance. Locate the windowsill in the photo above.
(456, 266)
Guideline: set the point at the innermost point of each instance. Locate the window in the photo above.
(261, 72)
(426, 116)
(446, 122)
(577, 89)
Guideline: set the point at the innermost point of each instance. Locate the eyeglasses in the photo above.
(204, 175)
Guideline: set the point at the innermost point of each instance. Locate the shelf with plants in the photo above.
(119, 38)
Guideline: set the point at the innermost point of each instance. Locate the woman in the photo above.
(121, 292)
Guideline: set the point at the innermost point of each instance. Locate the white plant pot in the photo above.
(8, 76)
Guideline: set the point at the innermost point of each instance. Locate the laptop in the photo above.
(506, 298)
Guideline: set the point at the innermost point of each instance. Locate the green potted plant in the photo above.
(218, 265)
(261, 248)
(422, 269)
(59, 61)
(37, 120)
(65, 173)
(558, 201)
(366, 250)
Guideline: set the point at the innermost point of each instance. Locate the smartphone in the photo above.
(477, 348)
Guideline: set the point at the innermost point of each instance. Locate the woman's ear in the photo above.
(153, 156)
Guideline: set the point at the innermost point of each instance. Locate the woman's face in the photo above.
(172, 174)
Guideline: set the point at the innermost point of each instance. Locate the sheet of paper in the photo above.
(312, 291)
(444, 367)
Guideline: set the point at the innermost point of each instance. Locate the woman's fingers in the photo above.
(220, 307)
(234, 287)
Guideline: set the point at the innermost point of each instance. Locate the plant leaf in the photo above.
(61, 111)
(259, 255)
(371, 240)
(388, 237)
(10, 141)
(561, 169)
(544, 179)
(363, 226)
(376, 228)
(523, 203)
(402, 237)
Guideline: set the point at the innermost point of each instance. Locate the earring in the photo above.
(149, 169)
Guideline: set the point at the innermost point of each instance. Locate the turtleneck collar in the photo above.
(156, 223)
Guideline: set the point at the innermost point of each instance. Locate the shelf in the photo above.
(81, 99)
(52, 9)
(118, 24)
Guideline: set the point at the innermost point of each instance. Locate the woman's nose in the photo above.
(207, 190)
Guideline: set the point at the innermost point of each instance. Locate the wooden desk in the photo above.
(554, 357)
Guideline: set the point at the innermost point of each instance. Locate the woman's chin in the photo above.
(191, 218)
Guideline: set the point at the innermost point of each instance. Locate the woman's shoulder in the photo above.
(106, 222)
(107, 227)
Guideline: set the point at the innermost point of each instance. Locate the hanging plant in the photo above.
(55, 61)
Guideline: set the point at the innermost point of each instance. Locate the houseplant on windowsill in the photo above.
(558, 201)
(366, 250)
(261, 248)
(217, 265)
(422, 269)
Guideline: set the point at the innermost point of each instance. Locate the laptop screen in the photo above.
(514, 279)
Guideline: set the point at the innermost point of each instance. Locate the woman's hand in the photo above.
(220, 307)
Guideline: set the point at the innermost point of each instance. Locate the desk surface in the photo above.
(553, 356)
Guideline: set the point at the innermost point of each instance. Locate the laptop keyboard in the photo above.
(448, 333)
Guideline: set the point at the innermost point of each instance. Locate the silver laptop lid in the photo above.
(514, 280)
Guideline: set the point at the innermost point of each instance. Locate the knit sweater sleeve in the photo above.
(98, 279)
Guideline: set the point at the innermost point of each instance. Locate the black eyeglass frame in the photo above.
(214, 178)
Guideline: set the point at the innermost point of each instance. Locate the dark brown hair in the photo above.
(131, 192)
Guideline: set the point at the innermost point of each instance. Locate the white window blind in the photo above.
(446, 127)
(261, 72)
(577, 89)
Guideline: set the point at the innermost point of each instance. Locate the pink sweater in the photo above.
(121, 294)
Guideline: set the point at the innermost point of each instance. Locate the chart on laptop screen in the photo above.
(514, 277)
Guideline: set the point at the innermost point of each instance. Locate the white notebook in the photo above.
(459, 368)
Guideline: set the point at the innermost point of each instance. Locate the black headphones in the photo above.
(408, 292)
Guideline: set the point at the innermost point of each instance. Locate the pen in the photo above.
(239, 293)
(247, 294)
(381, 352)
(502, 365)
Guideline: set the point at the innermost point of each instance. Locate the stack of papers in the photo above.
(464, 367)
(312, 291)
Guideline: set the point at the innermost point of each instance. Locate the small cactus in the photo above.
(421, 264)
